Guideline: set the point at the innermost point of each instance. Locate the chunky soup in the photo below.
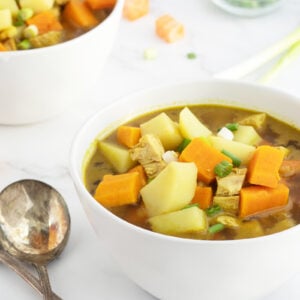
(27, 24)
(201, 172)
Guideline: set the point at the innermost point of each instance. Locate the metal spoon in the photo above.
(34, 225)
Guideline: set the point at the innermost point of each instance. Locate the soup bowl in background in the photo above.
(39, 83)
(175, 268)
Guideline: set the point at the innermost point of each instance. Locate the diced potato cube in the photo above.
(165, 128)
(172, 189)
(190, 126)
(229, 204)
(187, 220)
(37, 5)
(11, 5)
(243, 151)
(118, 156)
(247, 135)
(255, 120)
(5, 19)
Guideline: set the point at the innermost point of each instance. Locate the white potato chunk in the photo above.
(9, 4)
(247, 135)
(172, 189)
(5, 19)
(243, 151)
(118, 156)
(187, 220)
(166, 130)
(37, 5)
(190, 126)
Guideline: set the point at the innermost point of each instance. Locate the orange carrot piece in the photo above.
(203, 196)
(169, 29)
(263, 168)
(45, 21)
(116, 190)
(205, 157)
(79, 14)
(140, 169)
(289, 168)
(2, 47)
(135, 9)
(100, 4)
(255, 199)
(128, 135)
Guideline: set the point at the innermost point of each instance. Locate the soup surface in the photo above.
(27, 24)
(201, 172)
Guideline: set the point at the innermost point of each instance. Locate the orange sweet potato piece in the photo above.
(116, 190)
(2, 47)
(169, 29)
(263, 168)
(79, 14)
(255, 199)
(203, 196)
(140, 169)
(205, 157)
(45, 21)
(135, 9)
(100, 4)
(128, 135)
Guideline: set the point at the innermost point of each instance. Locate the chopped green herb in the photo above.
(235, 160)
(213, 210)
(150, 54)
(232, 126)
(24, 45)
(223, 168)
(183, 144)
(191, 55)
(216, 228)
(191, 205)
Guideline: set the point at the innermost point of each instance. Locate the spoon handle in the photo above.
(45, 282)
(20, 269)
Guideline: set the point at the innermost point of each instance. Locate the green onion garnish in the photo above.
(183, 144)
(235, 160)
(213, 210)
(232, 126)
(223, 168)
(216, 228)
(191, 55)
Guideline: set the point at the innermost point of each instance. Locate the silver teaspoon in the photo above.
(34, 225)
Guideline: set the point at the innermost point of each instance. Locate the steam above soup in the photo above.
(201, 172)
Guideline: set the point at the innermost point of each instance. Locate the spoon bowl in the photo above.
(34, 224)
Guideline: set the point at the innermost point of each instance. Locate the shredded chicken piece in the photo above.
(231, 184)
(47, 39)
(148, 152)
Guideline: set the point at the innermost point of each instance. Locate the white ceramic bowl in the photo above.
(174, 268)
(40, 83)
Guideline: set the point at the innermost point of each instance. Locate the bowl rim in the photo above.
(77, 180)
(69, 43)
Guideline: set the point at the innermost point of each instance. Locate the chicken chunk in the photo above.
(228, 204)
(231, 184)
(148, 152)
(47, 39)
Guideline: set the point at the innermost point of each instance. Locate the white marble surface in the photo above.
(85, 270)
